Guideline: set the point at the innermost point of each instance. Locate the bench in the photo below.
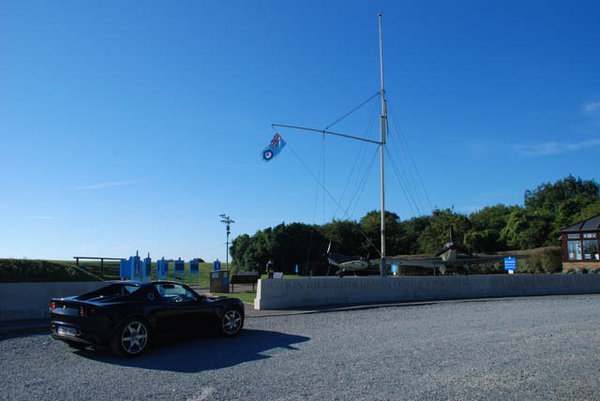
(244, 278)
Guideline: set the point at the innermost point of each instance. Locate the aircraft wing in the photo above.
(435, 262)
(461, 260)
(429, 263)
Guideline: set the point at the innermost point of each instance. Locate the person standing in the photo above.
(270, 268)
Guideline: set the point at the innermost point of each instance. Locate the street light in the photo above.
(225, 219)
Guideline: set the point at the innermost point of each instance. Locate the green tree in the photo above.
(370, 224)
(345, 236)
(570, 209)
(591, 210)
(297, 244)
(486, 225)
(527, 229)
(411, 244)
(549, 196)
(238, 248)
(437, 233)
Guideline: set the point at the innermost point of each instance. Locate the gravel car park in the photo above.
(513, 349)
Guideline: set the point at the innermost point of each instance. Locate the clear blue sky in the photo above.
(132, 125)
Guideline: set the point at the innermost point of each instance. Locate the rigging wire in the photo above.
(352, 111)
(329, 194)
(412, 169)
(404, 185)
(361, 184)
(359, 160)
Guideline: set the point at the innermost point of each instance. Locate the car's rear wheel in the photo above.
(132, 338)
(232, 322)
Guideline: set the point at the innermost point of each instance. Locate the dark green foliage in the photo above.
(411, 230)
(24, 270)
(541, 260)
(552, 259)
(526, 229)
(288, 245)
(550, 196)
(345, 236)
(492, 229)
(591, 210)
(486, 225)
(396, 242)
(437, 232)
(296, 244)
(488, 268)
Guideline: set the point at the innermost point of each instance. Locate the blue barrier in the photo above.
(125, 270)
(147, 268)
(136, 262)
(130, 269)
(162, 269)
(194, 269)
(179, 269)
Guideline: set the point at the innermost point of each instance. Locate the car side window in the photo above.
(174, 293)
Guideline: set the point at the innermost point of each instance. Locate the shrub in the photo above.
(552, 259)
(18, 270)
(542, 260)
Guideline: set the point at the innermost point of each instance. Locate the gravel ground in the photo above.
(525, 349)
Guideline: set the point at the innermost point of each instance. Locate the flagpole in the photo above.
(382, 129)
(381, 143)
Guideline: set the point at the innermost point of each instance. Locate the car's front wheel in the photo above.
(232, 322)
(132, 338)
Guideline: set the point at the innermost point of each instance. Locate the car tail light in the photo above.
(82, 311)
(52, 306)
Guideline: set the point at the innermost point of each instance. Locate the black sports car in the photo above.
(126, 316)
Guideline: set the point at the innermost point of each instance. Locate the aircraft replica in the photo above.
(448, 259)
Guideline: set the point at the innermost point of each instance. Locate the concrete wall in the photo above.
(298, 293)
(24, 301)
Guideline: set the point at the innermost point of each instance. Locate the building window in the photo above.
(574, 250)
(589, 235)
(573, 236)
(590, 249)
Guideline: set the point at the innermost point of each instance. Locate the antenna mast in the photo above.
(382, 127)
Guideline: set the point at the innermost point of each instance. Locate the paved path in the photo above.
(514, 349)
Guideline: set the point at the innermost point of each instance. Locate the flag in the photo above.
(273, 148)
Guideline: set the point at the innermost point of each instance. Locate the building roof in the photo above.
(592, 224)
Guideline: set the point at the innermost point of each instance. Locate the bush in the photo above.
(542, 260)
(552, 259)
(23, 270)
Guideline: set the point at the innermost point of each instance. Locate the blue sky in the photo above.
(133, 125)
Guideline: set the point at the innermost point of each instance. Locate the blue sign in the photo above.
(510, 263)
(178, 268)
(162, 269)
(194, 269)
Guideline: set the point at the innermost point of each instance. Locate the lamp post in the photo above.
(225, 219)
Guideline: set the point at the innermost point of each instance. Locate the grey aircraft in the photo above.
(448, 259)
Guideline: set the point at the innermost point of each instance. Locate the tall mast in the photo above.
(382, 128)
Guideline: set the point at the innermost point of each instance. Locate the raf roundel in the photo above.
(268, 154)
